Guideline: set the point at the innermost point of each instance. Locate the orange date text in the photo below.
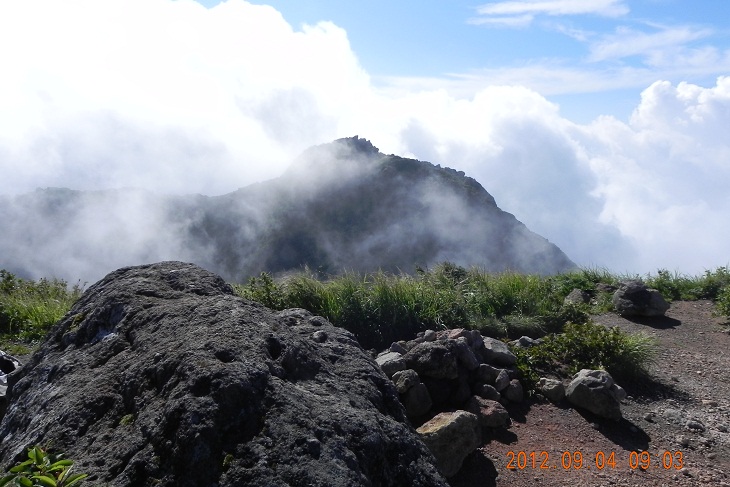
(576, 460)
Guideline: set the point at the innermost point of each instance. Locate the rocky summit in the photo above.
(342, 206)
(160, 375)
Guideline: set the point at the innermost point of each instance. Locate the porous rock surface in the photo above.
(160, 375)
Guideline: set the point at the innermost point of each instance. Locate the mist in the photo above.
(171, 98)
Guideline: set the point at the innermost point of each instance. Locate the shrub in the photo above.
(42, 470)
(626, 357)
(723, 301)
(29, 308)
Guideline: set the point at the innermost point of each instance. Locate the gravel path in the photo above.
(681, 420)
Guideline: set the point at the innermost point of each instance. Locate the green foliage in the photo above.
(29, 308)
(588, 346)
(42, 470)
(723, 302)
(126, 420)
(677, 286)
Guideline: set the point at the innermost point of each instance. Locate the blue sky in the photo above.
(591, 57)
(599, 124)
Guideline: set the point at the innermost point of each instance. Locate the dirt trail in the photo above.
(685, 411)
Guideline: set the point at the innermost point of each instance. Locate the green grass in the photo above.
(381, 308)
(29, 308)
(626, 357)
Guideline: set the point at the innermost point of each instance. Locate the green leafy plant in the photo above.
(42, 470)
(626, 357)
(723, 302)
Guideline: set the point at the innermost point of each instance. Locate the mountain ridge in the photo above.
(341, 206)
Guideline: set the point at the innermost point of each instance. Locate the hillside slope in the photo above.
(340, 206)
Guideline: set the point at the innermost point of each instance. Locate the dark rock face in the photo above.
(160, 375)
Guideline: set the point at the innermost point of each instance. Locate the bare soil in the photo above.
(679, 418)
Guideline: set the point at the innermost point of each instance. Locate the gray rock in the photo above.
(502, 380)
(437, 359)
(477, 340)
(633, 298)
(497, 352)
(457, 333)
(391, 363)
(525, 342)
(491, 414)
(417, 401)
(487, 392)
(398, 347)
(595, 391)
(465, 355)
(405, 379)
(514, 391)
(486, 373)
(577, 296)
(451, 436)
(552, 389)
(429, 336)
(222, 391)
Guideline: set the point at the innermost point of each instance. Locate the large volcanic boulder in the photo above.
(160, 375)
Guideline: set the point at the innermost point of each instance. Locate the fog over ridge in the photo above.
(115, 102)
(342, 206)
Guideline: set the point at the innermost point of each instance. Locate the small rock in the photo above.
(487, 392)
(552, 389)
(417, 401)
(595, 391)
(502, 380)
(514, 391)
(391, 363)
(451, 437)
(465, 354)
(398, 348)
(491, 414)
(694, 425)
(405, 379)
(497, 352)
(683, 441)
(429, 336)
(577, 296)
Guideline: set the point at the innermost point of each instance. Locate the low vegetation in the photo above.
(42, 469)
(29, 308)
(381, 308)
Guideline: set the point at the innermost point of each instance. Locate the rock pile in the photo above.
(453, 383)
(161, 375)
(452, 369)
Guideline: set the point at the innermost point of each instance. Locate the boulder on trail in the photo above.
(634, 298)
(161, 375)
(596, 391)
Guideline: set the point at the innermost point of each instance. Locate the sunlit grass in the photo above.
(29, 308)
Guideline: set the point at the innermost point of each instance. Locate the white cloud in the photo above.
(171, 76)
(521, 13)
(627, 42)
(167, 95)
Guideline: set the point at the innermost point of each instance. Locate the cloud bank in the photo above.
(169, 96)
